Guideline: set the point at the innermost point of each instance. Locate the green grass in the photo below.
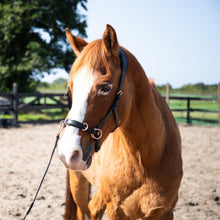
(195, 118)
(6, 116)
(41, 101)
(195, 104)
(47, 114)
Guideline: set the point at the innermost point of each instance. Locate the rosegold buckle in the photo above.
(86, 127)
(119, 92)
(97, 134)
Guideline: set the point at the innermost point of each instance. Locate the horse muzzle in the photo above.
(75, 160)
(72, 154)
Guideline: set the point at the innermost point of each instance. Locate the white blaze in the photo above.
(70, 141)
(82, 85)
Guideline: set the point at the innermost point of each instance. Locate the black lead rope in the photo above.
(51, 156)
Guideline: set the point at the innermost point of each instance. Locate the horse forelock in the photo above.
(92, 57)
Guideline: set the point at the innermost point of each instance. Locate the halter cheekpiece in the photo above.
(96, 133)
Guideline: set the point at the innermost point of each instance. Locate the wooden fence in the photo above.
(188, 109)
(40, 101)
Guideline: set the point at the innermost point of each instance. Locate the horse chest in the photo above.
(122, 181)
(120, 177)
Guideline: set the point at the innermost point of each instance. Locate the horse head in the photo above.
(95, 78)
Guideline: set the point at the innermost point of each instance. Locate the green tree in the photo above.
(24, 53)
(59, 81)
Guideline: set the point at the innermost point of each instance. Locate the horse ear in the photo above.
(110, 40)
(77, 43)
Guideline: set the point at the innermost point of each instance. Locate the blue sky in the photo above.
(176, 41)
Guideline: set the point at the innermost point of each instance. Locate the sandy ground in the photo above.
(25, 151)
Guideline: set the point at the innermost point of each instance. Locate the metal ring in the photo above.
(86, 127)
(97, 134)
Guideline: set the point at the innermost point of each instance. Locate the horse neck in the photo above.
(144, 131)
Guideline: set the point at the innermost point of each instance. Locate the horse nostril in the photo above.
(75, 156)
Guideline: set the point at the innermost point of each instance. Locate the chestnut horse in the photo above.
(120, 136)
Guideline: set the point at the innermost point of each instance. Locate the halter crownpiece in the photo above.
(96, 133)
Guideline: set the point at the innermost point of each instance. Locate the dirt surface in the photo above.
(25, 152)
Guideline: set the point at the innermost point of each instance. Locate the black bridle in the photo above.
(96, 133)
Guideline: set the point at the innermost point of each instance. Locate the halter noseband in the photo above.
(96, 133)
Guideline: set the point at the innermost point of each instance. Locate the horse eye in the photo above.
(104, 89)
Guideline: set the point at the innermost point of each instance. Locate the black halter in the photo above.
(96, 133)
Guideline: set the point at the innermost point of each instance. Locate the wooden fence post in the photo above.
(69, 99)
(168, 93)
(15, 104)
(188, 111)
(219, 104)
